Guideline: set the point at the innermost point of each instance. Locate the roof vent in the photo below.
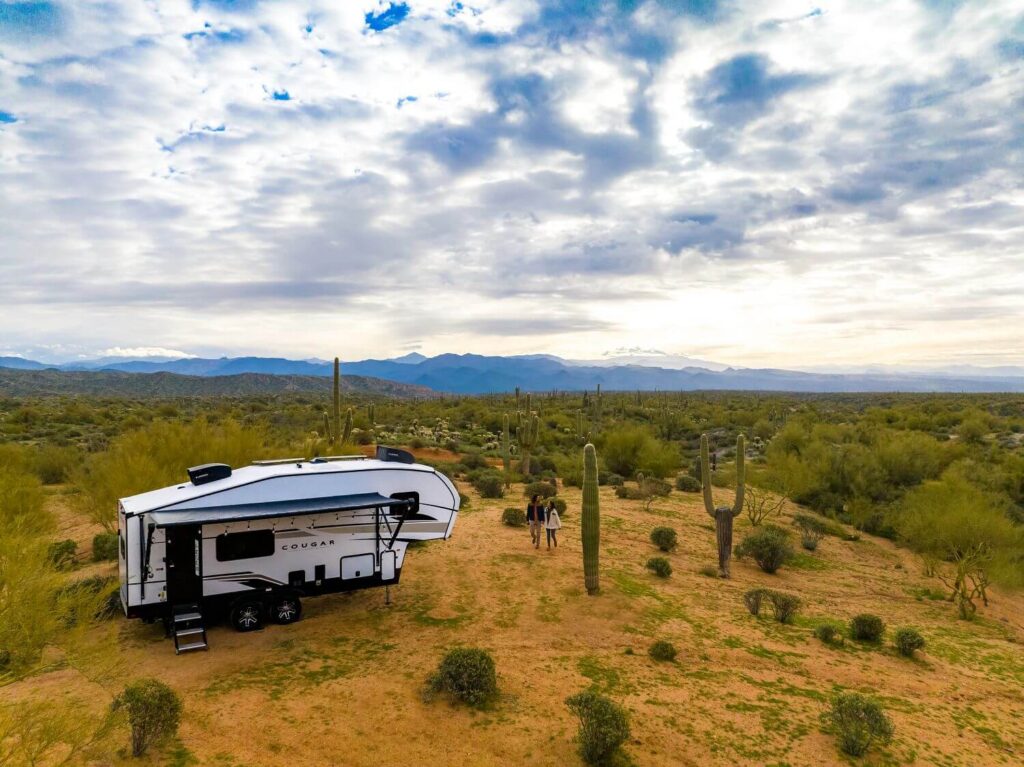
(208, 472)
(394, 455)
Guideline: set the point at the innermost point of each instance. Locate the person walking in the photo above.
(552, 524)
(535, 516)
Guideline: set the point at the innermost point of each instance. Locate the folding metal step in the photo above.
(187, 624)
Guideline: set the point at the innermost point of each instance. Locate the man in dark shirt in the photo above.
(535, 516)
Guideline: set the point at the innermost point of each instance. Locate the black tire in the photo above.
(286, 608)
(247, 615)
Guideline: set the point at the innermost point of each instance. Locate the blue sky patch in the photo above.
(6, 118)
(31, 18)
(394, 14)
(404, 99)
(281, 95)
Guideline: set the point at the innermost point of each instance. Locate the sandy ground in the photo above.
(342, 687)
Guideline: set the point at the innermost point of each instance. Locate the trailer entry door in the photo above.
(184, 564)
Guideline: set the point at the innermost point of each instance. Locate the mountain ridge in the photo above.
(488, 374)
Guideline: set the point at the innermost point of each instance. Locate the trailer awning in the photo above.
(291, 508)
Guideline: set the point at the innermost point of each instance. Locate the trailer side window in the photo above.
(247, 545)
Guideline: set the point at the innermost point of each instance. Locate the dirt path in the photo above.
(342, 686)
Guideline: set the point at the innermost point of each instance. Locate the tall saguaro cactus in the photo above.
(590, 524)
(506, 456)
(336, 431)
(723, 515)
(371, 414)
(527, 435)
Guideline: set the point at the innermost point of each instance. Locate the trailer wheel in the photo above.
(247, 615)
(286, 609)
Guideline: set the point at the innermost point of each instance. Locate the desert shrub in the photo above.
(156, 456)
(629, 493)
(544, 489)
(656, 487)
(466, 674)
(99, 591)
(753, 599)
(615, 480)
(104, 546)
(784, 606)
(660, 566)
(561, 506)
(811, 529)
(21, 503)
(604, 726)
(62, 554)
(662, 650)
(858, 721)
(709, 571)
(768, 546)
(907, 641)
(664, 538)
(688, 484)
(489, 485)
(513, 517)
(54, 464)
(154, 711)
(474, 461)
(866, 628)
(827, 633)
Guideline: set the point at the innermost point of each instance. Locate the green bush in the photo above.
(604, 726)
(688, 484)
(474, 461)
(811, 529)
(467, 675)
(154, 711)
(489, 485)
(513, 517)
(629, 493)
(784, 606)
(752, 599)
(662, 650)
(615, 480)
(908, 641)
(104, 546)
(561, 506)
(544, 489)
(62, 554)
(658, 488)
(768, 546)
(858, 721)
(710, 571)
(660, 566)
(827, 633)
(867, 628)
(664, 538)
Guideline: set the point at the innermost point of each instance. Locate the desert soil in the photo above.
(343, 686)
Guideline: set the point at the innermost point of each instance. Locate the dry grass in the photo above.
(342, 686)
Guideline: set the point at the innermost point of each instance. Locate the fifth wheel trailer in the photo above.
(250, 543)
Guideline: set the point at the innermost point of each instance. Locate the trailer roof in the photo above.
(186, 491)
(291, 508)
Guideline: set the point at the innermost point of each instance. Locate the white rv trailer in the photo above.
(250, 543)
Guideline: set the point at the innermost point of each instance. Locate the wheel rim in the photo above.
(248, 616)
(287, 611)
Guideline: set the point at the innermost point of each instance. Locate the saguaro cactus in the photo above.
(590, 524)
(347, 431)
(527, 435)
(327, 429)
(371, 415)
(506, 455)
(336, 431)
(723, 515)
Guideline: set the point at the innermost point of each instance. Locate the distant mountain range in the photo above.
(115, 383)
(478, 374)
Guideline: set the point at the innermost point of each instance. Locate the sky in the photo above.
(766, 184)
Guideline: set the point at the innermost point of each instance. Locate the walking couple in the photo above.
(541, 518)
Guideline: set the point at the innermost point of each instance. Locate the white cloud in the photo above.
(769, 186)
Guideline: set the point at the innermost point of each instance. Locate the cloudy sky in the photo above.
(763, 183)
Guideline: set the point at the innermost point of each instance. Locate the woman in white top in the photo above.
(552, 524)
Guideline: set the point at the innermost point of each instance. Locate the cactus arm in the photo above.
(705, 476)
(741, 447)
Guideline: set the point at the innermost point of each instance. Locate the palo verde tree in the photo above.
(723, 515)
